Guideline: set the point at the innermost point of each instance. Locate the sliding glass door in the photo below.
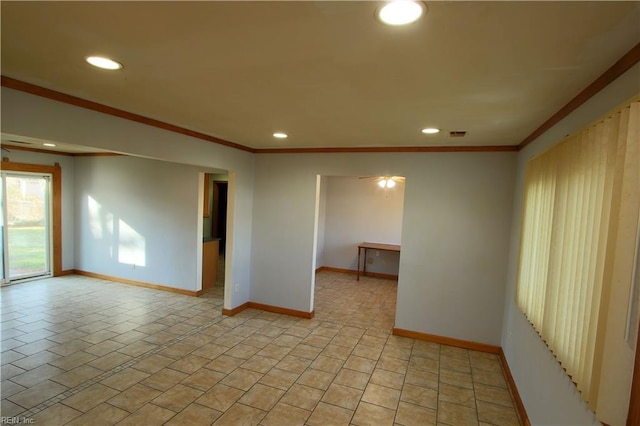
(26, 225)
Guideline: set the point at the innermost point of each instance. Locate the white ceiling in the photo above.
(327, 73)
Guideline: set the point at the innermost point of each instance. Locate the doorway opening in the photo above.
(26, 226)
(214, 233)
(351, 210)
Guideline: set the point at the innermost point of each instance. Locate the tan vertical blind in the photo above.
(570, 258)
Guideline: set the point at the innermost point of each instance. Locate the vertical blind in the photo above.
(576, 195)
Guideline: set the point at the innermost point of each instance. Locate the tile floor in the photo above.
(82, 351)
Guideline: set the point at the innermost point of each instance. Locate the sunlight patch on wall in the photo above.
(131, 245)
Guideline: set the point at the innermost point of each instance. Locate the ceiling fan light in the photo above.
(382, 183)
(401, 12)
(391, 183)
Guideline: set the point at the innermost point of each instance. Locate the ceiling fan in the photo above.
(386, 181)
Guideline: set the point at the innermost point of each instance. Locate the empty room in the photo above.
(320, 213)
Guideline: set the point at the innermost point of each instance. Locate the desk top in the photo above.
(379, 246)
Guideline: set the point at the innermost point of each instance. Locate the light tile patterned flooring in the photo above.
(82, 351)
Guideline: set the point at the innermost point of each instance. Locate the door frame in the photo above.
(56, 203)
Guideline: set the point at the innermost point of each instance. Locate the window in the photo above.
(577, 255)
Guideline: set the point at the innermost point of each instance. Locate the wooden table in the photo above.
(375, 246)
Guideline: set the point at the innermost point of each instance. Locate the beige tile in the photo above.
(104, 348)
(327, 364)
(159, 338)
(130, 337)
(488, 377)
(164, 379)
(37, 375)
(367, 352)
(387, 378)
(283, 414)
(124, 379)
(497, 414)
(337, 351)
(493, 395)
(9, 409)
(8, 371)
(424, 397)
(70, 347)
(57, 414)
(280, 379)
(262, 397)
(77, 376)
(393, 364)
(454, 352)
(86, 399)
(109, 361)
(294, 364)
(415, 415)
(342, 396)
(149, 415)
(210, 351)
(203, 379)
(137, 348)
(306, 351)
(380, 395)
(422, 378)
(8, 388)
(373, 415)
(74, 360)
(301, 396)
(275, 351)
(457, 364)
(37, 394)
(316, 378)
(225, 364)
(220, 397)
(134, 398)
(260, 364)
(330, 415)
(177, 398)
(456, 395)
(241, 415)
(361, 364)
(101, 415)
(195, 414)
(456, 378)
(352, 378)
(189, 364)
(242, 379)
(458, 415)
(36, 360)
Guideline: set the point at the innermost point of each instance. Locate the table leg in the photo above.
(364, 267)
(358, 266)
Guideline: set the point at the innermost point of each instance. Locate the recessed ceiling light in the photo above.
(104, 63)
(280, 135)
(401, 12)
(430, 130)
(49, 144)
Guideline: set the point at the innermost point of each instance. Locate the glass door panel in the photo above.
(27, 225)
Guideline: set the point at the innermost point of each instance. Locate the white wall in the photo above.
(67, 208)
(322, 218)
(28, 115)
(359, 210)
(548, 394)
(455, 234)
(138, 220)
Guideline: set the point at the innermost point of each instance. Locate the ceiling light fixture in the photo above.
(386, 183)
(430, 130)
(280, 135)
(49, 144)
(104, 63)
(401, 12)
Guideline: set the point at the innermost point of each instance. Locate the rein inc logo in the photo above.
(5, 420)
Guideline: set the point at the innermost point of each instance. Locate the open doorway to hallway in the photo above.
(352, 210)
(214, 233)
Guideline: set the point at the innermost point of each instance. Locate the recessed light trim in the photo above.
(49, 144)
(430, 130)
(104, 63)
(401, 12)
(280, 135)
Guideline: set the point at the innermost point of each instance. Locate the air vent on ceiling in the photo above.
(22, 142)
(457, 134)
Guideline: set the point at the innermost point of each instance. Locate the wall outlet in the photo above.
(236, 288)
